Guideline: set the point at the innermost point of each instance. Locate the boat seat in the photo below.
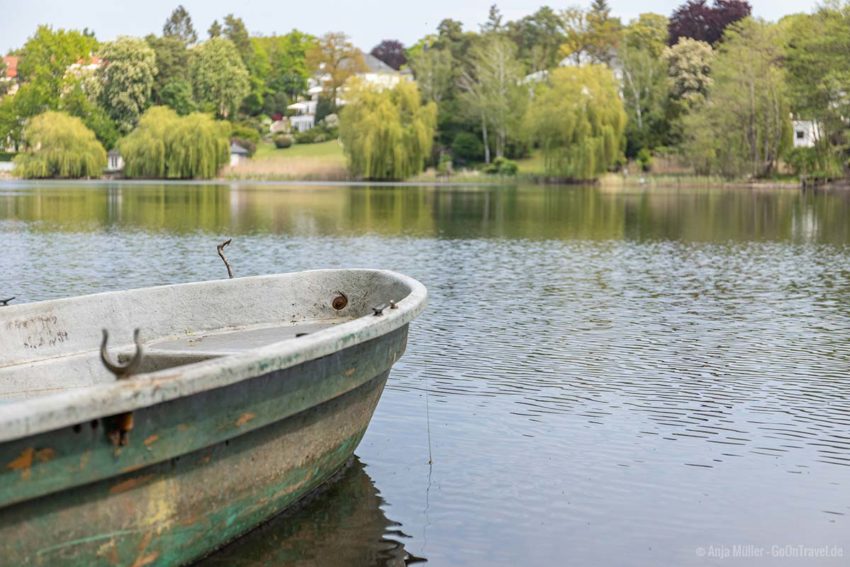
(234, 341)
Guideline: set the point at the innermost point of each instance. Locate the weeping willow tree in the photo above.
(59, 145)
(387, 134)
(167, 146)
(578, 121)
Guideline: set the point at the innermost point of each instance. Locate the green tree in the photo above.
(43, 67)
(604, 32)
(287, 60)
(59, 145)
(644, 78)
(11, 122)
(179, 25)
(178, 95)
(592, 36)
(235, 30)
(578, 121)
(689, 65)
(219, 78)
(172, 63)
(538, 38)
(492, 92)
(214, 30)
(494, 21)
(77, 101)
(167, 146)
(128, 78)
(335, 57)
(387, 134)
(744, 127)
(816, 47)
(433, 71)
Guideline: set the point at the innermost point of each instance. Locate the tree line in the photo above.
(709, 84)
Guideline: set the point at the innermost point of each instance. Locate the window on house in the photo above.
(801, 135)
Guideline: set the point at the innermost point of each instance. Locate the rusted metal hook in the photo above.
(122, 372)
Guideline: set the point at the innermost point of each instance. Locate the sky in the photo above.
(366, 21)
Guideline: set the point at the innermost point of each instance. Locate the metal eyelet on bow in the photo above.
(127, 370)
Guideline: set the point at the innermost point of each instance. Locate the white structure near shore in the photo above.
(806, 133)
(237, 154)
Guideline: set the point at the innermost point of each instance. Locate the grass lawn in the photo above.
(330, 150)
(324, 161)
(533, 164)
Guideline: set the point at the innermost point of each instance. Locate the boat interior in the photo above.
(54, 346)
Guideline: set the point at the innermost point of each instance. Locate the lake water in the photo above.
(631, 377)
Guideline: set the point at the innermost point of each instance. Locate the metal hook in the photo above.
(128, 369)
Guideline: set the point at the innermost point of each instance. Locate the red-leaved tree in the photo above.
(391, 52)
(697, 20)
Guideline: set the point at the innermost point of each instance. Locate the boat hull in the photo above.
(242, 453)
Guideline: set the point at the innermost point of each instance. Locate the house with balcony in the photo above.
(376, 74)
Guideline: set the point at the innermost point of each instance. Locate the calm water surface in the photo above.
(609, 377)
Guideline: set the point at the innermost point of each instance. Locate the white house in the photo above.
(305, 114)
(377, 74)
(114, 162)
(238, 154)
(806, 133)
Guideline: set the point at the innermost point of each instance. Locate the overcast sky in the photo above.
(366, 21)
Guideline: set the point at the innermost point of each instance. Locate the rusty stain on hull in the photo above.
(23, 463)
(245, 418)
(130, 483)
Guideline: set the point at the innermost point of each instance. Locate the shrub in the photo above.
(502, 166)
(165, 145)
(467, 147)
(246, 136)
(816, 162)
(59, 145)
(444, 166)
(283, 141)
(331, 121)
(644, 158)
(244, 131)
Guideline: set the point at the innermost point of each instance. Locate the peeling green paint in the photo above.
(203, 485)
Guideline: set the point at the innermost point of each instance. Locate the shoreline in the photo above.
(461, 181)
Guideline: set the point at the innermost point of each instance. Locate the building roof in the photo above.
(238, 150)
(11, 66)
(375, 65)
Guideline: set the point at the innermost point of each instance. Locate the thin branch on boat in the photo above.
(220, 248)
(5, 302)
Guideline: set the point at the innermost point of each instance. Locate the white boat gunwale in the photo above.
(22, 418)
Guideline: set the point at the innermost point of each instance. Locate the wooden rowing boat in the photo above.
(246, 395)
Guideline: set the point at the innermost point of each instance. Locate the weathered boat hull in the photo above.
(275, 438)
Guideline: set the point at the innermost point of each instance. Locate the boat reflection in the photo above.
(341, 526)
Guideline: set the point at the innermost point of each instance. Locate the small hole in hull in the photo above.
(340, 301)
